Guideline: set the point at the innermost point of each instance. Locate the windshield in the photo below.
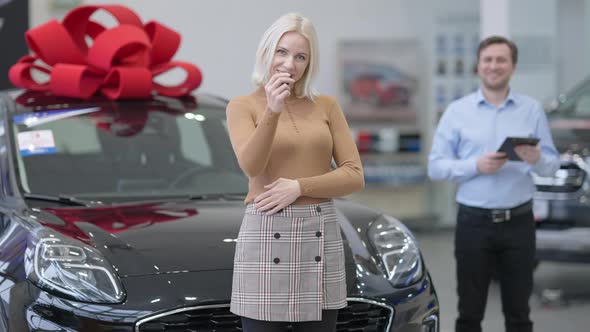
(570, 120)
(124, 151)
(575, 105)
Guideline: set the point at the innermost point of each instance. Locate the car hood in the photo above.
(140, 239)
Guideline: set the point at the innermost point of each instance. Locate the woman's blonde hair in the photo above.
(268, 44)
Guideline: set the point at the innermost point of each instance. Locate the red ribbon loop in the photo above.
(121, 62)
(77, 21)
(52, 43)
(20, 74)
(128, 82)
(165, 42)
(120, 46)
(192, 81)
(74, 81)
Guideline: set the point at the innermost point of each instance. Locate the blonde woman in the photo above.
(289, 260)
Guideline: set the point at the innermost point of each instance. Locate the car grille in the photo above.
(360, 315)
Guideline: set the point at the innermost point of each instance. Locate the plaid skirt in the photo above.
(289, 266)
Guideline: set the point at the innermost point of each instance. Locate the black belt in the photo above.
(499, 215)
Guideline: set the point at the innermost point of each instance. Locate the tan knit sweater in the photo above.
(298, 143)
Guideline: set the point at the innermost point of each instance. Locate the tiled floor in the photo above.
(561, 302)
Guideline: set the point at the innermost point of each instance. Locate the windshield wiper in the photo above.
(64, 199)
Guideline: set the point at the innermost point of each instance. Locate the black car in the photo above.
(123, 216)
(562, 202)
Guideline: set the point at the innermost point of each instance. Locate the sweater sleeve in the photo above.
(251, 142)
(348, 176)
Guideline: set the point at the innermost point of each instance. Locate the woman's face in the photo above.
(291, 55)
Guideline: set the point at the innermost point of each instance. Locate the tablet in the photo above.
(511, 142)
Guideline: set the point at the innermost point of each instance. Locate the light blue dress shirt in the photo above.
(470, 127)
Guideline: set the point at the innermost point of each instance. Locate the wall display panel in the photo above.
(455, 58)
(380, 81)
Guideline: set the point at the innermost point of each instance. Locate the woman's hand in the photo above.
(279, 195)
(277, 89)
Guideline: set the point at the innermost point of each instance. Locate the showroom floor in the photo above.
(561, 300)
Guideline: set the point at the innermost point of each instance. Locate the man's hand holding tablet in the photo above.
(521, 149)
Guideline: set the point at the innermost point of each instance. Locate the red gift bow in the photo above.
(121, 63)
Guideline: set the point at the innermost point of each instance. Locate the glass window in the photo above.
(575, 104)
(194, 143)
(140, 151)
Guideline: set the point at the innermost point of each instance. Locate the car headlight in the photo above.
(70, 267)
(398, 251)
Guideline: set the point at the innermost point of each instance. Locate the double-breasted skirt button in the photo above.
(318, 258)
(277, 236)
(276, 260)
(318, 234)
(318, 209)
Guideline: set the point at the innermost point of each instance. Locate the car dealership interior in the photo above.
(393, 66)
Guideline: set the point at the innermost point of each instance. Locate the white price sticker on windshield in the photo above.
(36, 142)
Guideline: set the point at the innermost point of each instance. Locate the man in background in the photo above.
(495, 224)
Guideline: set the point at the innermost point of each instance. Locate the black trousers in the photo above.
(327, 324)
(482, 245)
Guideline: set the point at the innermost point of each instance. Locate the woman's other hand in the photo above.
(279, 195)
(277, 89)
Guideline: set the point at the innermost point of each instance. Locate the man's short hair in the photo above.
(499, 40)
